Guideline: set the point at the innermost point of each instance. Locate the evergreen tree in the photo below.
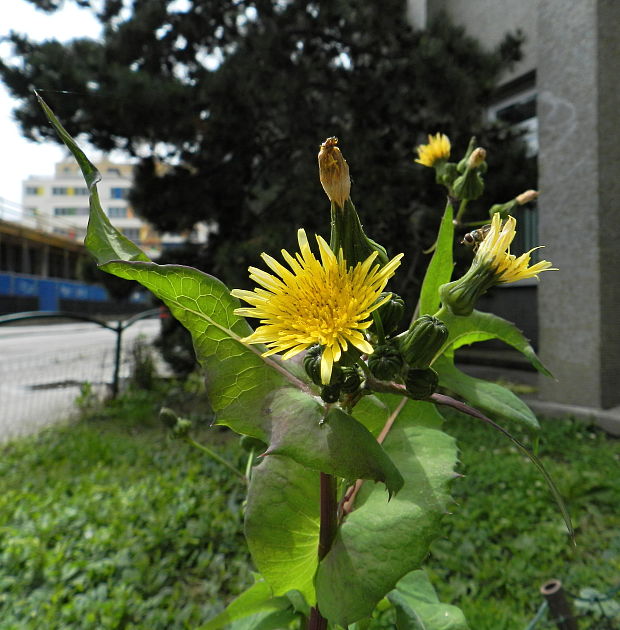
(234, 98)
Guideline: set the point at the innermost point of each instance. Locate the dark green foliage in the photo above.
(330, 393)
(243, 134)
(421, 382)
(352, 379)
(385, 362)
(390, 314)
(422, 341)
(312, 363)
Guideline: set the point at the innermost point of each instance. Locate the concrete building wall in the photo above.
(579, 162)
(488, 21)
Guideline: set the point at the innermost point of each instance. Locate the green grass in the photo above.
(506, 536)
(107, 524)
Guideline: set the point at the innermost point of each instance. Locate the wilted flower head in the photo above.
(438, 148)
(334, 172)
(322, 302)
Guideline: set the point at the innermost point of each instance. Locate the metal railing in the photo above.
(44, 368)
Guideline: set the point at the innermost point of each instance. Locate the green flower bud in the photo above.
(469, 186)
(179, 427)
(463, 164)
(461, 295)
(330, 393)
(249, 443)
(503, 209)
(422, 341)
(352, 380)
(385, 362)
(390, 313)
(445, 174)
(168, 417)
(312, 365)
(421, 383)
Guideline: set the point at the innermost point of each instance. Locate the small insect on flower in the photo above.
(323, 302)
(475, 237)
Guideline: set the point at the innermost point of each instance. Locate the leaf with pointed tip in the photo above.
(481, 326)
(103, 240)
(418, 607)
(489, 397)
(380, 542)
(440, 268)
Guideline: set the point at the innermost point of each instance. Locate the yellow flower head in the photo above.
(315, 302)
(334, 172)
(495, 251)
(438, 148)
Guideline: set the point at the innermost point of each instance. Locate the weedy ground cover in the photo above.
(505, 538)
(109, 524)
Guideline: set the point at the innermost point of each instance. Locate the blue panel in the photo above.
(48, 297)
(6, 282)
(25, 286)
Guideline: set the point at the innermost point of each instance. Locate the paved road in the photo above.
(43, 367)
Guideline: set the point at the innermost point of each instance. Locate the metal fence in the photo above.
(43, 368)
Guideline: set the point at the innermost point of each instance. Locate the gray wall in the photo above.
(488, 21)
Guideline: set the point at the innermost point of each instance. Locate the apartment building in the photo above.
(60, 203)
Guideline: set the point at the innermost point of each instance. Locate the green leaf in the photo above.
(380, 542)
(489, 397)
(418, 608)
(103, 240)
(481, 326)
(257, 599)
(282, 525)
(238, 378)
(440, 268)
(372, 412)
(336, 443)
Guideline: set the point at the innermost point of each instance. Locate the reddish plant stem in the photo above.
(327, 532)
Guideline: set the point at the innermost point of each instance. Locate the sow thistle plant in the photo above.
(333, 391)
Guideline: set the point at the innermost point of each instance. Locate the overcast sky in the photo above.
(21, 157)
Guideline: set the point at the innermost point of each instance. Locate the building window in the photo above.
(71, 212)
(132, 233)
(59, 190)
(114, 171)
(117, 212)
(80, 190)
(119, 193)
(519, 111)
(34, 190)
